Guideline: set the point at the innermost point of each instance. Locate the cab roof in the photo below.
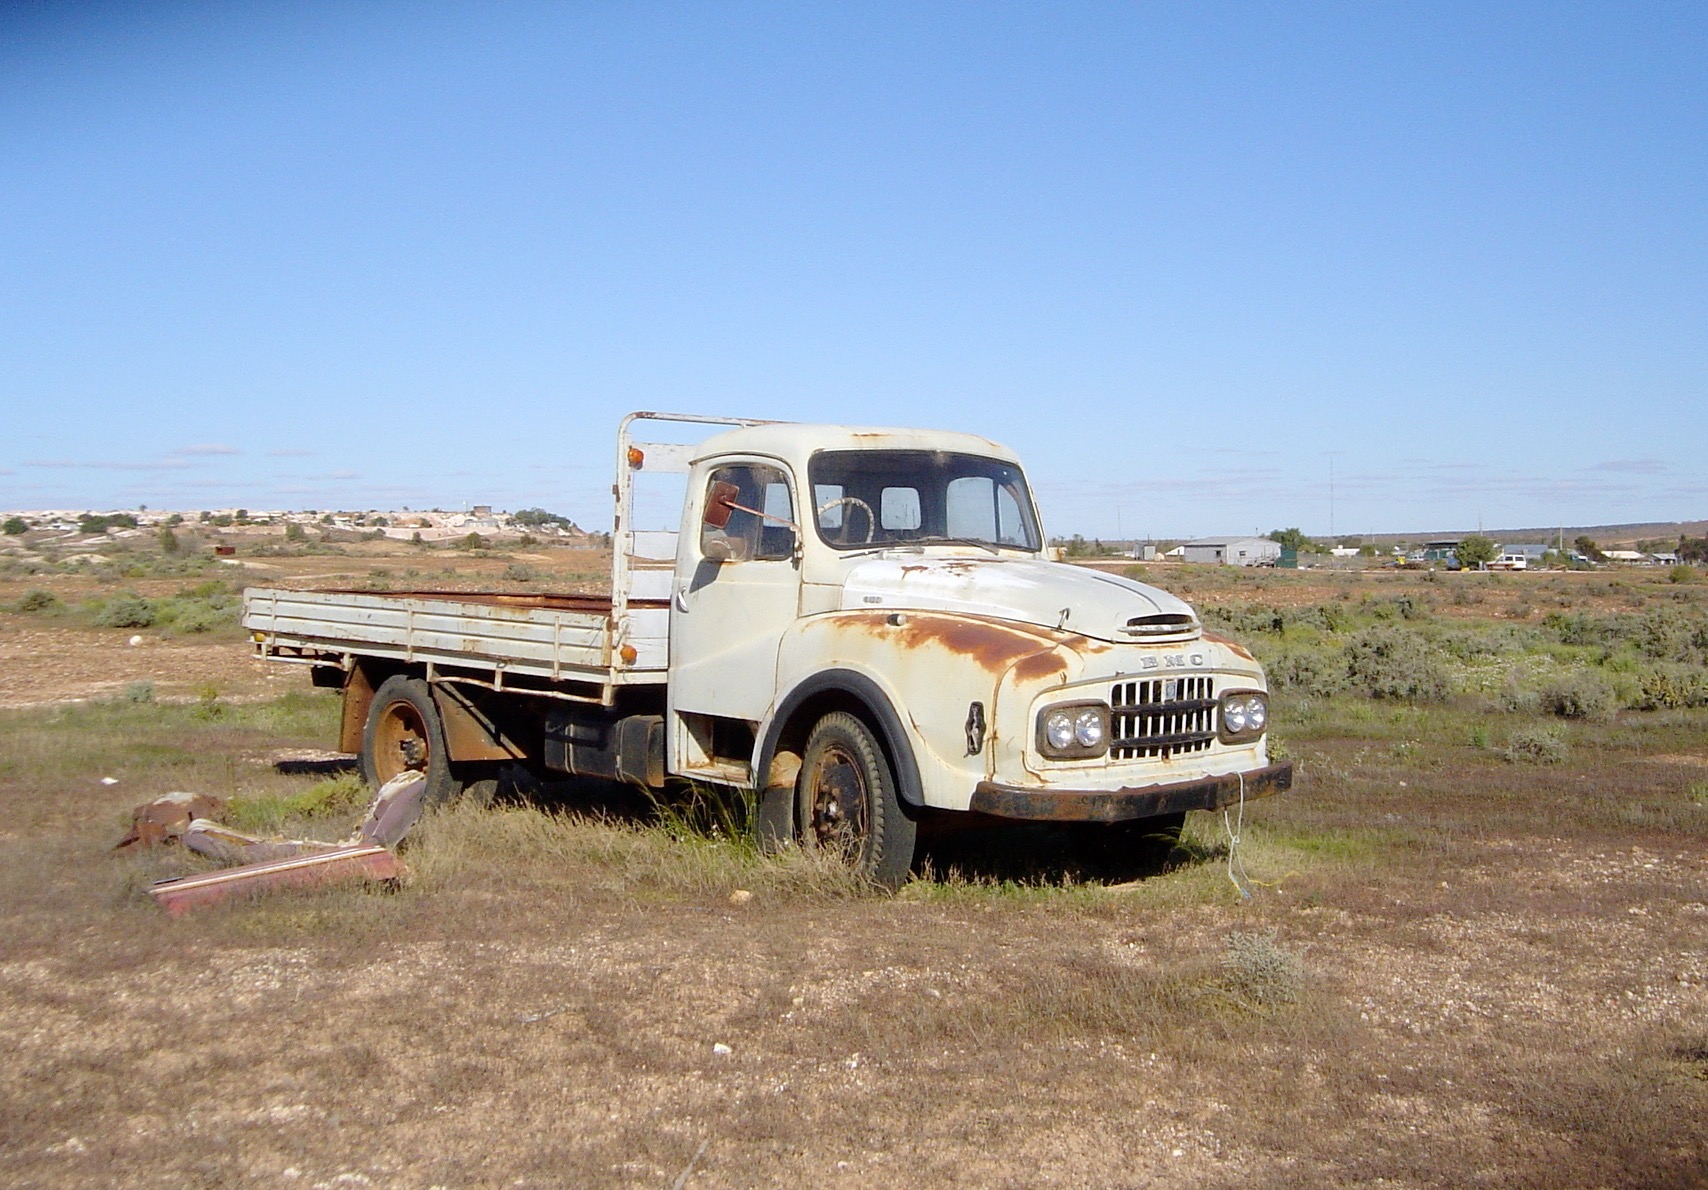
(797, 441)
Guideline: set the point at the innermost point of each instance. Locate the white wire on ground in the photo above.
(1236, 865)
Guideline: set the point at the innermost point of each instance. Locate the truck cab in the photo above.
(865, 624)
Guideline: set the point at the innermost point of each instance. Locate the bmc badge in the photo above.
(1173, 661)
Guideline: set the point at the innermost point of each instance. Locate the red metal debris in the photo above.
(361, 861)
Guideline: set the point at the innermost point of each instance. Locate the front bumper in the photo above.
(1122, 805)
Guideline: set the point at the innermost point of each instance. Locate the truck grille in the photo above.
(1162, 717)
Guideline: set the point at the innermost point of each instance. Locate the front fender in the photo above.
(870, 695)
(927, 668)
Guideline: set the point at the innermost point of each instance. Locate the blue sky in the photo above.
(1185, 258)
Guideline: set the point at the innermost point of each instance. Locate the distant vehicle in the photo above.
(856, 625)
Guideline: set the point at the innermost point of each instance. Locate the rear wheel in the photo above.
(846, 801)
(404, 733)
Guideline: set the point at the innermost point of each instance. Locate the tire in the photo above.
(404, 732)
(1123, 849)
(846, 801)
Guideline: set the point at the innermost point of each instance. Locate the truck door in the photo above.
(737, 589)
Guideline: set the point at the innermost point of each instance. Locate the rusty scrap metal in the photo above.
(358, 862)
(219, 842)
(168, 817)
(269, 865)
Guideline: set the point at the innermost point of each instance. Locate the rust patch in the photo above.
(1040, 665)
(1238, 648)
(991, 646)
(358, 698)
(470, 734)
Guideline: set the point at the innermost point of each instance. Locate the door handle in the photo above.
(681, 599)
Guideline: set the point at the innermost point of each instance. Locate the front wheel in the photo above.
(404, 732)
(846, 801)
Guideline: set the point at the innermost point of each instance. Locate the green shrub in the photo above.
(1580, 694)
(1317, 673)
(15, 526)
(1243, 619)
(1669, 687)
(1519, 700)
(1579, 628)
(1406, 607)
(1259, 970)
(1390, 663)
(127, 611)
(195, 618)
(1497, 640)
(1535, 745)
(1673, 634)
(1678, 574)
(38, 601)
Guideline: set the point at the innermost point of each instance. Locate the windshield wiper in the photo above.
(934, 538)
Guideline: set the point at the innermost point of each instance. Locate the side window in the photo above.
(1010, 523)
(760, 515)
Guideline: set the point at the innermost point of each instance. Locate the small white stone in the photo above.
(135, 640)
(721, 1048)
(109, 780)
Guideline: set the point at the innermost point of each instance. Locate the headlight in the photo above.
(1088, 730)
(1074, 731)
(1245, 713)
(1058, 730)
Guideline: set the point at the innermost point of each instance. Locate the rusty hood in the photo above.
(1025, 590)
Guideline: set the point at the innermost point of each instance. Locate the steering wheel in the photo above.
(855, 502)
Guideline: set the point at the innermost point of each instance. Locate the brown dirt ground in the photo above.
(1512, 992)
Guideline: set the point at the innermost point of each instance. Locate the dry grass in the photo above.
(1451, 970)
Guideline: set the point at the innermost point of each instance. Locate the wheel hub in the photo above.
(838, 794)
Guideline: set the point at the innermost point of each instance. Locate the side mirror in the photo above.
(720, 503)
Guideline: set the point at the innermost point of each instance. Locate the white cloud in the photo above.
(1634, 466)
(97, 465)
(205, 450)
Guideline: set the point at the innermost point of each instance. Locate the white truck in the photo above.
(862, 627)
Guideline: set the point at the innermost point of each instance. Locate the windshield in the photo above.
(863, 498)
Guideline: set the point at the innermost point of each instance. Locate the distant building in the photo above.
(1518, 557)
(1234, 551)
